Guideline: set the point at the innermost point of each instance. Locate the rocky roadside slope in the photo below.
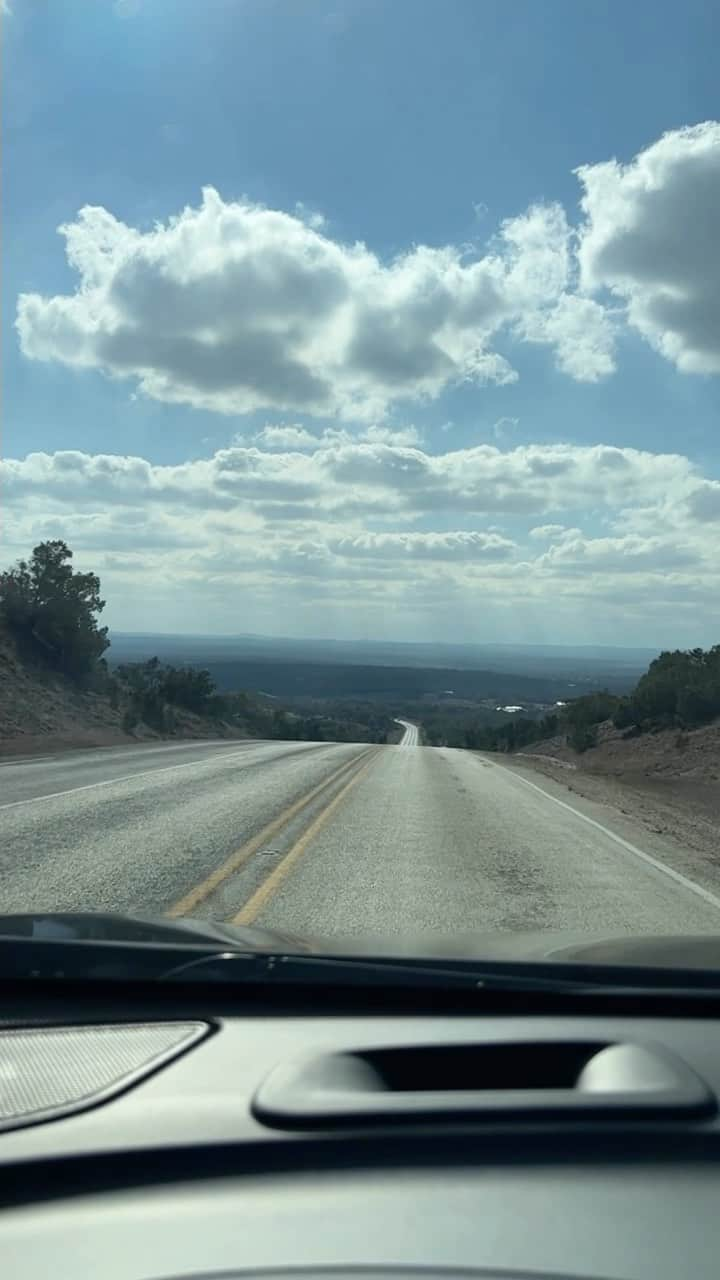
(42, 712)
(669, 780)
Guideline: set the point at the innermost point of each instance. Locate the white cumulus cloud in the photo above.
(365, 478)
(548, 532)
(455, 546)
(297, 439)
(366, 527)
(582, 333)
(652, 236)
(233, 307)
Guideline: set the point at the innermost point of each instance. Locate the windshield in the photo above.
(360, 475)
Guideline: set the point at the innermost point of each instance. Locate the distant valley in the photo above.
(328, 668)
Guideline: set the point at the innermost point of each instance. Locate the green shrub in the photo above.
(624, 714)
(582, 738)
(51, 611)
(696, 706)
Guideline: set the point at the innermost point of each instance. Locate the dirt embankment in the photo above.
(42, 712)
(669, 780)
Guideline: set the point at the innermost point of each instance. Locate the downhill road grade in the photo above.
(345, 839)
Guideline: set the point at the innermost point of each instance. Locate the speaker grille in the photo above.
(48, 1072)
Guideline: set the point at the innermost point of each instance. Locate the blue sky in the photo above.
(415, 128)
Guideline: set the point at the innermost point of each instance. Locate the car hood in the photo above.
(672, 950)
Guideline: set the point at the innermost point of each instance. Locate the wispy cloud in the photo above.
(504, 427)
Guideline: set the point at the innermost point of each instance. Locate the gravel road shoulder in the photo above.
(685, 811)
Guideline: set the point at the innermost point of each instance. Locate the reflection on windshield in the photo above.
(360, 482)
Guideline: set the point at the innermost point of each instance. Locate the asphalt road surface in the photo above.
(410, 737)
(344, 839)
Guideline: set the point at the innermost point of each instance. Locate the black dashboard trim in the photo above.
(32, 1002)
(63, 1177)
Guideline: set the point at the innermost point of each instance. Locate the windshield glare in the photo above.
(360, 478)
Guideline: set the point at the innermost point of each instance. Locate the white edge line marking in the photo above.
(127, 777)
(697, 889)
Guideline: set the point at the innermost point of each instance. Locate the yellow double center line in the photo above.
(358, 766)
(262, 895)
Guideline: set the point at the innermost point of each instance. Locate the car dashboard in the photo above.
(192, 1136)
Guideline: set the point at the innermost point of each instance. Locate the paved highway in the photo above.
(344, 839)
(411, 736)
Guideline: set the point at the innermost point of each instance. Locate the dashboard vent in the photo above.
(49, 1072)
(507, 1081)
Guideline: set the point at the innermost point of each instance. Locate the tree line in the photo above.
(51, 611)
(680, 689)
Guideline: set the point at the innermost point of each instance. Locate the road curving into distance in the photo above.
(346, 839)
(411, 736)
